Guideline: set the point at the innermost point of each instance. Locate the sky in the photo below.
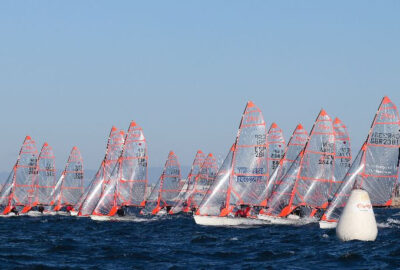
(184, 70)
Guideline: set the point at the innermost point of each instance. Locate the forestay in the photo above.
(88, 202)
(168, 187)
(19, 188)
(46, 180)
(243, 175)
(376, 166)
(70, 187)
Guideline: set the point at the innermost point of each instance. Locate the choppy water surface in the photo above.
(178, 243)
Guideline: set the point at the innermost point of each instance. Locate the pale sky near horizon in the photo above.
(184, 70)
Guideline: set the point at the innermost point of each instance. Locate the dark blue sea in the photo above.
(59, 242)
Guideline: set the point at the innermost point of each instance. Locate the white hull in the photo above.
(32, 214)
(74, 213)
(100, 218)
(227, 221)
(8, 215)
(327, 225)
(290, 220)
(63, 213)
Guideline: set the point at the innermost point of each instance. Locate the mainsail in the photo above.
(69, 187)
(199, 187)
(243, 175)
(295, 145)
(309, 180)
(46, 179)
(19, 188)
(168, 187)
(276, 147)
(343, 153)
(203, 182)
(128, 181)
(89, 200)
(190, 183)
(376, 166)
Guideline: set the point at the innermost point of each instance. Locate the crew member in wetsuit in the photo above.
(167, 208)
(41, 208)
(121, 211)
(69, 208)
(15, 211)
(243, 211)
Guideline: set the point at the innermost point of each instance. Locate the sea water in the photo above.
(176, 242)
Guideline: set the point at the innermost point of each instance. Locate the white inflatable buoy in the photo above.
(357, 221)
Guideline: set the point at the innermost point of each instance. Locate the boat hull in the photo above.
(227, 221)
(74, 213)
(290, 220)
(327, 225)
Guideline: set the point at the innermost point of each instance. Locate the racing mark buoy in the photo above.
(357, 221)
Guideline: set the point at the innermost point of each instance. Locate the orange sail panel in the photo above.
(168, 187)
(242, 177)
(376, 166)
(46, 180)
(89, 200)
(70, 187)
(19, 189)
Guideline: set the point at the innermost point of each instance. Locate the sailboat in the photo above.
(307, 186)
(91, 197)
(17, 193)
(125, 192)
(69, 187)
(45, 180)
(295, 145)
(376, 167)
(166, 191)
(190, 184)
(199, 188)
(242, 177)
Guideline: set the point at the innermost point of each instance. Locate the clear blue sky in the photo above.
(184, 70)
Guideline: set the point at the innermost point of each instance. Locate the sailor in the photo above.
(121, 211)
(41, 208)
(243, 211)
(69, 208)
(15, 211)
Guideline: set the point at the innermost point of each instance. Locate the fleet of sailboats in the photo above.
(261, 181)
